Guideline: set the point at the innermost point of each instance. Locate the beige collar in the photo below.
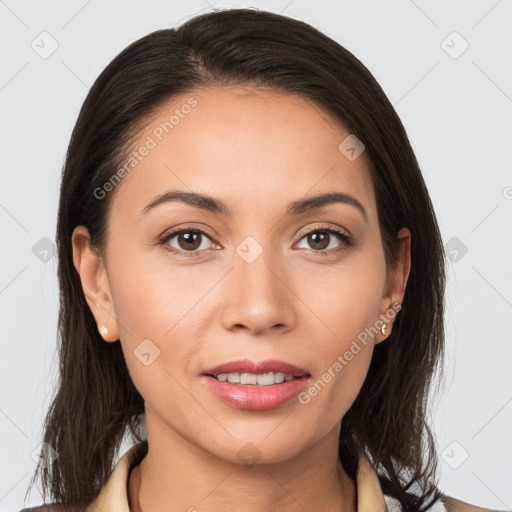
(113, 497)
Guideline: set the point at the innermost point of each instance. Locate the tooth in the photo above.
(265, 379)
(248, 378)
(279, 377)
(262, 379)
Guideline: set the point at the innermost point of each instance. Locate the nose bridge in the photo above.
(259, 297)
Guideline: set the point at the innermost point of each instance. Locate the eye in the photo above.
(189, 241)
(321, 239)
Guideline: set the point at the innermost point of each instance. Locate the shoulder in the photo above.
(454, 505)
(443, 504)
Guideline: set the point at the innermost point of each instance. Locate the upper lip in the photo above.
(257, 367)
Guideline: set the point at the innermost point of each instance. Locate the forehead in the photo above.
(258, 147)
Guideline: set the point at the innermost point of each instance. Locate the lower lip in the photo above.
(253, 397)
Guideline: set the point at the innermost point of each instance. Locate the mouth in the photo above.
(250, 373)
(250, 385)
(254, 379)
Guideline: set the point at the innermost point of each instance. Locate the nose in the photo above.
(259, 297)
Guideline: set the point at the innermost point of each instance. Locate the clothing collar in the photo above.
(113, 496)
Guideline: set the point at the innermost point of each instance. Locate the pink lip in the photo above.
(252, 396)
(255, 397)
(247, 366)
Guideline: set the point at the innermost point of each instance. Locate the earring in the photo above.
(384, 328)
(103, 331)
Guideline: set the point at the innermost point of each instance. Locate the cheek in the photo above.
(152, 295)
(346, 302)
(159, 309)
(339, 377)
(344, 298)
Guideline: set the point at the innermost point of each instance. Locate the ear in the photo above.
(93, 276)
(395, 284)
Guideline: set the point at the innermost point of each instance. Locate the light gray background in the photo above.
(457, 110)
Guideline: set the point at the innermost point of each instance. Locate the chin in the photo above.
(265, 447)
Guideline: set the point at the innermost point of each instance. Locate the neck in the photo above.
(177, 475)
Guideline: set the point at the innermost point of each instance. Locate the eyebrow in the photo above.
(214, 205)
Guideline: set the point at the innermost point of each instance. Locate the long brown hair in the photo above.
(96, 403)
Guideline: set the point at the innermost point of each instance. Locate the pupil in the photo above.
(324, 240)
(191, 239)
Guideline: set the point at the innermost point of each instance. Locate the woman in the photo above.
(252, 276)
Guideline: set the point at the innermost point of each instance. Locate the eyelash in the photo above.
(347, 240)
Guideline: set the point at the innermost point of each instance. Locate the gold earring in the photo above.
(384, 328)
(103, 331)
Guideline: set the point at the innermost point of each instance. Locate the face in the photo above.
(187, 285)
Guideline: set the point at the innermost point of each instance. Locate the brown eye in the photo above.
(186, 242)
(319, 240)
(323, 241)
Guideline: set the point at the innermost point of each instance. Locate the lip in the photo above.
(254, 397)
(248, 366)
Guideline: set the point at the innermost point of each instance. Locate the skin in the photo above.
(257, 151)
